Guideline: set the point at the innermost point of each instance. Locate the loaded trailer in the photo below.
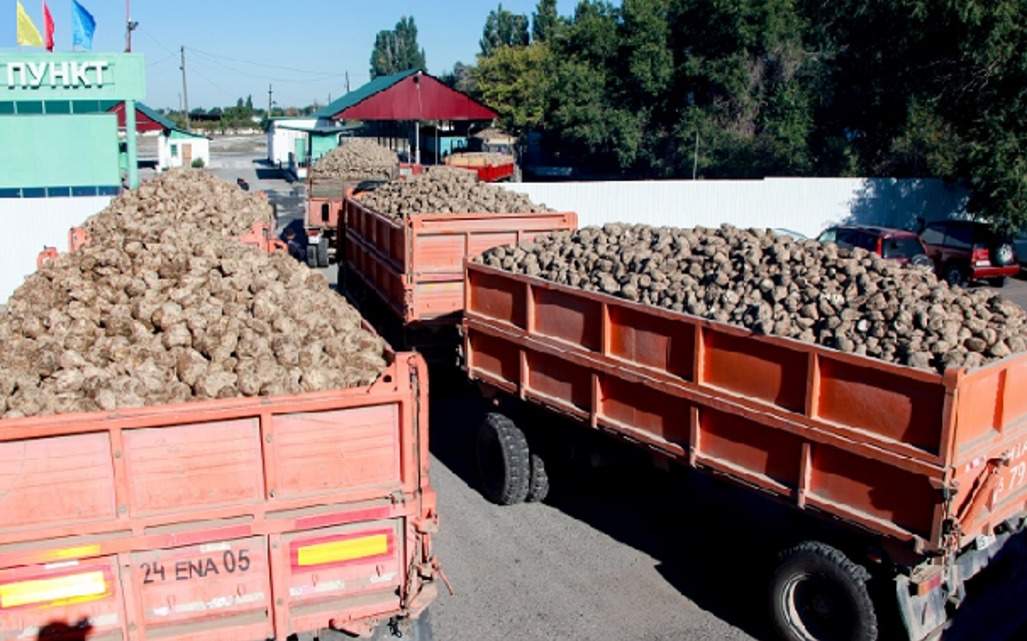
(489, 167)
(323, 212)
(917, 477)
(407, 275)
(242, 518)
(260, 235)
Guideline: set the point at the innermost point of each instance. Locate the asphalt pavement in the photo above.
(628, 553)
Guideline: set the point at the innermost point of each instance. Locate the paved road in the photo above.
(627, 553)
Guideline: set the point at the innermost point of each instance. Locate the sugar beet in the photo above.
(850, 300)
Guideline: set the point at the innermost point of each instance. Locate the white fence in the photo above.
(805, 205)
(32, 223)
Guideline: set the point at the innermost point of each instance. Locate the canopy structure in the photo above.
(147, 119)
(410, 95)
(407, 95)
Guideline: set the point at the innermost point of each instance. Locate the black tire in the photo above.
(954, 275)
(418, 629)
(538, 489)
(504, 467)
(997, 282)
(312, 256)
(818, 594)
(322, 252)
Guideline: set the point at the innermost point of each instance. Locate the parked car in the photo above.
(1020, 246)
(964, 250)
(894, 244)
(791, 233)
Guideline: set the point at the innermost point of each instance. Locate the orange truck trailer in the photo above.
(260, 235)
(920, 475)
(324, 211)
(221, 520)
(413, 268)
(484, 165)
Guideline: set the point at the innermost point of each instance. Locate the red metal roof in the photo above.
(144, 122)
(416, 97)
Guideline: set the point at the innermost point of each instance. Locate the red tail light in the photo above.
(981, 257)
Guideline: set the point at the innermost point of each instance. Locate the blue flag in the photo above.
(82, 26)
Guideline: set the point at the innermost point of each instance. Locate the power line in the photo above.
(266, 64)
(171, 56)
(262, 76)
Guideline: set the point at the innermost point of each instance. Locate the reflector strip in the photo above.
(74, 586)
(75, 553)
(346, 550)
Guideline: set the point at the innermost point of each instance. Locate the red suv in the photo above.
(963, 250)
(894, 244)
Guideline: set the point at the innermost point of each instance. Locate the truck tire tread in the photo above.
(513, 446)
(813, 557)
(538, 490)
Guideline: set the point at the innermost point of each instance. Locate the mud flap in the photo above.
(921, 614)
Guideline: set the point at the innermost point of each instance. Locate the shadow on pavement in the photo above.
(714, 542)
(714, 557)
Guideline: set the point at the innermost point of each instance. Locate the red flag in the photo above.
(48, 26)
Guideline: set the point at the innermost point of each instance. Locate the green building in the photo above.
(59, 147)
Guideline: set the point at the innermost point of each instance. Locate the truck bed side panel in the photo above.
(798, 420)
(424, 253)
(232, 519)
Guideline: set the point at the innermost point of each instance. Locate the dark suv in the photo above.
(963, 250)
(894, 244)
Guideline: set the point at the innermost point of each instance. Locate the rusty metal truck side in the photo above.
(929, 466)
(234, 519)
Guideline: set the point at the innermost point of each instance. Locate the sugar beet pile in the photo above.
(357, 159)
(852, 301)
(177, 315)
(180, 197)
(446, 190)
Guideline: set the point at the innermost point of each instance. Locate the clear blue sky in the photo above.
(231, 45)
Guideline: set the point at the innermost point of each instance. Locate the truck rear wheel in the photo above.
(503, 460)
(322, 252)
(418, 629)
(818, 594)
(538, 489)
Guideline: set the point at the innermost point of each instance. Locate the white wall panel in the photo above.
(29, 224)
(805, 205)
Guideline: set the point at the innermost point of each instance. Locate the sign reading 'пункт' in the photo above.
(71, 76)
(67, 73)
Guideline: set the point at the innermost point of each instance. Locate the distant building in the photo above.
(176, 147)
(296, 143)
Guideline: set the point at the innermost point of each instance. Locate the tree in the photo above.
(239, 103)
(397, 50)
(249, 103)
(545, 21)
(461, 78)
(513, 81)
(503, 29)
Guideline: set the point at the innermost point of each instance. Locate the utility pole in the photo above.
(695, 156)
(269, 102)
(130, 26)
(347, 82)
(185, 92)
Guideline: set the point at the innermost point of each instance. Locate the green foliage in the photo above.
(461, 78)
(513, 81)
(197, 163)
(397, 50)
(545, 22)
(503, 29)
(774, 87)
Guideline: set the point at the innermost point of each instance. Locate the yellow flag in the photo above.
(28, 35)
